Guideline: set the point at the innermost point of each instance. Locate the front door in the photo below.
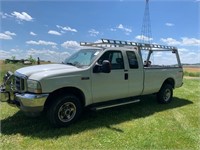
(113, 85)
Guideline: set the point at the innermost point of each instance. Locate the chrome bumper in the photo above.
(25, 102)
(31, 102)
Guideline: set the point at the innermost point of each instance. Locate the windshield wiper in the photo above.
(76, 64)
(71, 64)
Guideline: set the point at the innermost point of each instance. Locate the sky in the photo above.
(53, 29)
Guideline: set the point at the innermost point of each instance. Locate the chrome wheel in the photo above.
(67, 112)
(167, 95)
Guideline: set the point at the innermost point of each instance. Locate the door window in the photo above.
(115, 58)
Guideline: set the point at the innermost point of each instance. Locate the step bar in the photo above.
(100, 107)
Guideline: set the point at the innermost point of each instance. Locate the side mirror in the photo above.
(106, 66)
(97, 68)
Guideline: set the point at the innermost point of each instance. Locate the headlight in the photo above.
(34, 86)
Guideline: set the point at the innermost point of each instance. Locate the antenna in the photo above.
(146, 36)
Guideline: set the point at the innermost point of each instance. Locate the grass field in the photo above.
(143, 125)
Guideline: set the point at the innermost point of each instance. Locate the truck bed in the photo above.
(155, 76)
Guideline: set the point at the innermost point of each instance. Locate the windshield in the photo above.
(83, 58)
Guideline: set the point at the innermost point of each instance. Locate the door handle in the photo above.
(126, 76)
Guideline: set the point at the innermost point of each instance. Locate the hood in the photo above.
(46, 69)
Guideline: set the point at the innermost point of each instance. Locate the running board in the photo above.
(114, 104)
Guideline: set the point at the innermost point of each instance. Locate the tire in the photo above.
(64, 110)
(165, 94)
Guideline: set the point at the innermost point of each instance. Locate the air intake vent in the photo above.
(20, 84)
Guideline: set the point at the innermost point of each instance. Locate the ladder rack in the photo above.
(118, 43)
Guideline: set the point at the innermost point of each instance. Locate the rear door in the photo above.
(135, 74)
(113, 85)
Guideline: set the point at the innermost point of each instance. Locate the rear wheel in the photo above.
(64, 110)
(165, 94)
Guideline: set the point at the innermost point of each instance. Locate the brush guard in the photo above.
(7, 90)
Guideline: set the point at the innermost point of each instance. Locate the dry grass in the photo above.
(191, 69)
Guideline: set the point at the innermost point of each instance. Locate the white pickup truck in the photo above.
(101, 75)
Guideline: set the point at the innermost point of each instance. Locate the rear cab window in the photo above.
(132, 59)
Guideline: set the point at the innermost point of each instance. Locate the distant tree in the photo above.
(7, 61)
(13, 57)
(31, 59)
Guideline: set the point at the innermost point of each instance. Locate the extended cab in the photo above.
(101, 75)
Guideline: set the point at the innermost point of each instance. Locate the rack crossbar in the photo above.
(118, 43)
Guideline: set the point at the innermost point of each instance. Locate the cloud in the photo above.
(23, 16)
(32, 33)
(185, 41)
(16, 50)
(189, 57)
(183, 50)
(126, 30)
(10, 33)
(93, 32)
(7, 35)
(54, 32)
(71, 45)
(170, 41)
(190, 41)
(113, 29)
(66, 28)
(43, 54)
(143, 38)
(5, 54)
(46, 54)
(4, 15)
(169, 24)
(40, 42)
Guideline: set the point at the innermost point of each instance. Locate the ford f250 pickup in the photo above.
(101, 75)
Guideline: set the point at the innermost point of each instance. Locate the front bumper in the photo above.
(31, 102)
(25, 102)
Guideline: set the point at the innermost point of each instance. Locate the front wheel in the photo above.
(64, 110)
(165, 94)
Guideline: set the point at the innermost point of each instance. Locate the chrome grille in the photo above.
(20, 84)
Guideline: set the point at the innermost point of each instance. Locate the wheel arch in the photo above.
(65, 90)
(169, 81)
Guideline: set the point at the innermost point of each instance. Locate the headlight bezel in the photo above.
(34, 86)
